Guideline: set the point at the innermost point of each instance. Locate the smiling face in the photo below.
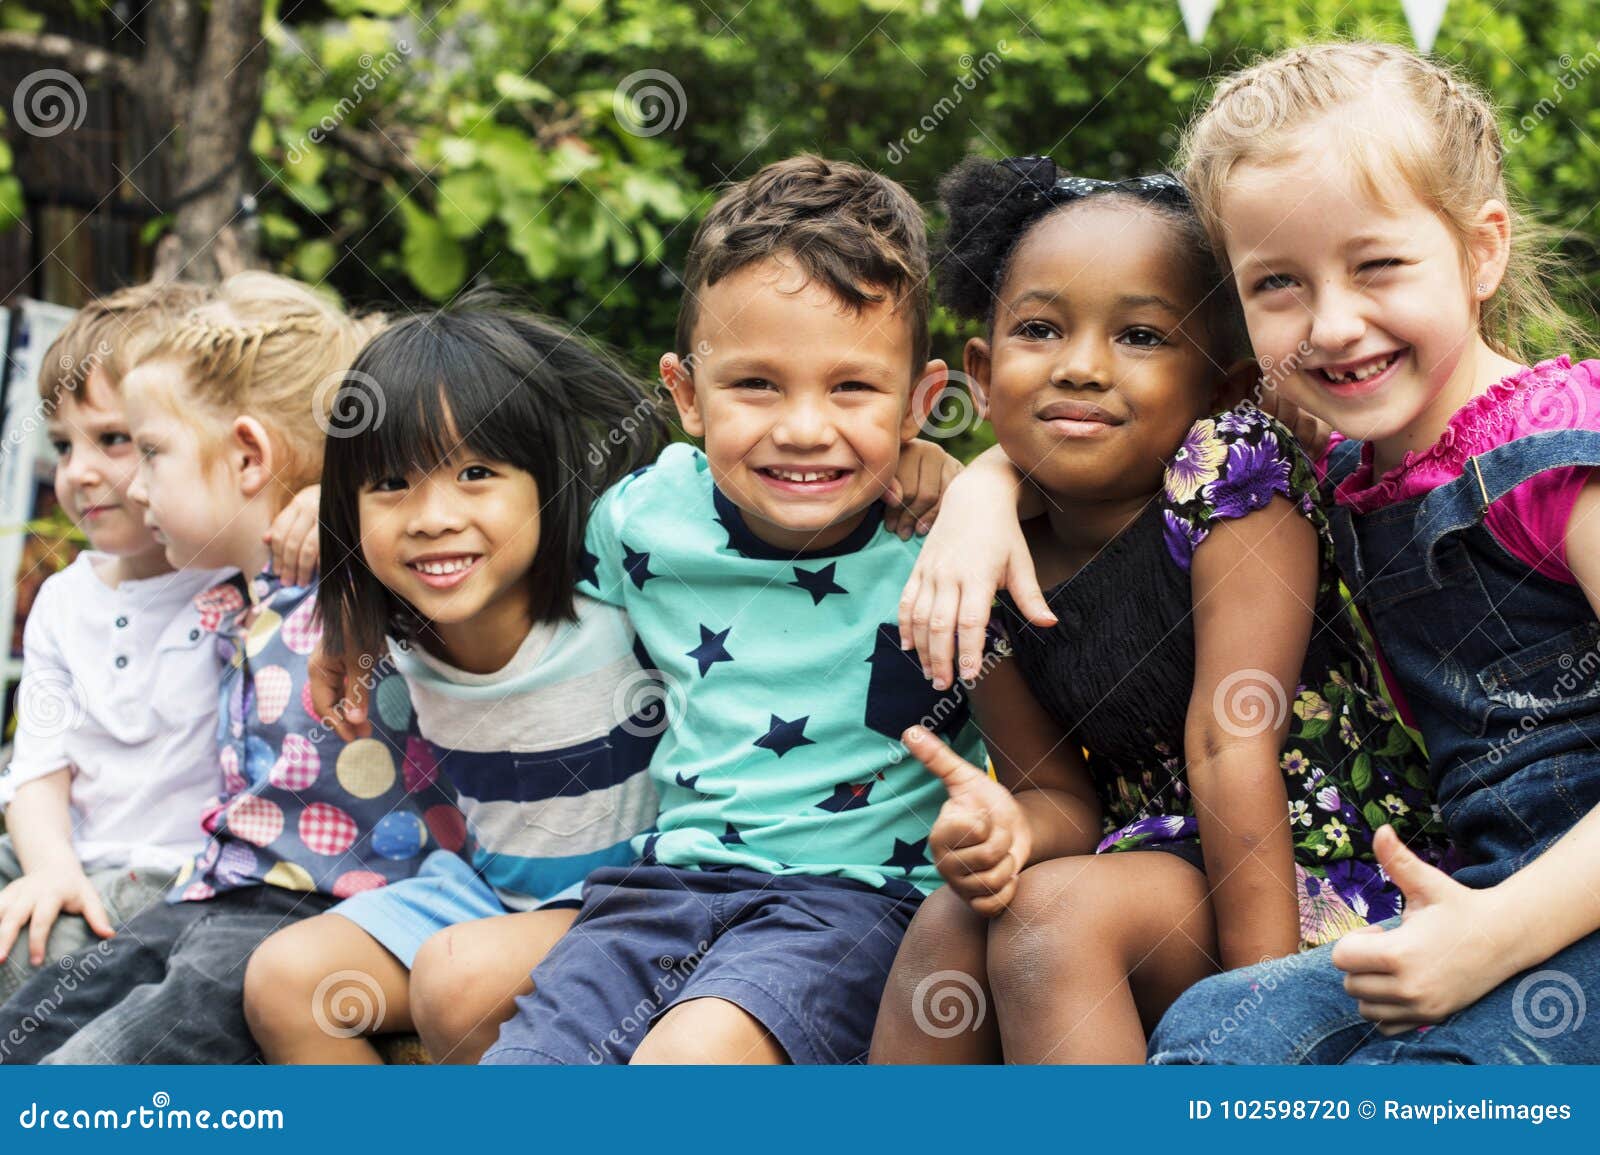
(96, 465)
(1099, 360)
(1368, 309)
(803, 404)
(457, 543)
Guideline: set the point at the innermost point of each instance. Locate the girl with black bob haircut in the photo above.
(485, 379)
(464, 451)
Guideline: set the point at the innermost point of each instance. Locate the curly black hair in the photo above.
(991, 206)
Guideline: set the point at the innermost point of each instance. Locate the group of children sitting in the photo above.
(509, 727)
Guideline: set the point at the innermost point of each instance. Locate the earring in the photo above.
(1482, 289)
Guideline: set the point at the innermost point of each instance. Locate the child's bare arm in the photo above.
(294, 539)
(975, 547)
(1043, 805)
(1310, 431)
(39, 821)
(339, 691)
(1254, 581)
(924, 473)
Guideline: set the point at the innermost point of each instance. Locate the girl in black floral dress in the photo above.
(1202, 659)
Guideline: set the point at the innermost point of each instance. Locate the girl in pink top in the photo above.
(1355, 192)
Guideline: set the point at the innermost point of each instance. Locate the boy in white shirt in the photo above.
(115, 752)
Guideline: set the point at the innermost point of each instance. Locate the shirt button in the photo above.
(122, 663)
(194, 635)
(122, 623)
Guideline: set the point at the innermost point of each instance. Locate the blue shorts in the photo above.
(405, 914)
(806, 956)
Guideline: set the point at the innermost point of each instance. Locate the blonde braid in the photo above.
(266, 346)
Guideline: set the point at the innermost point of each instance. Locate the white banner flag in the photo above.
(1197, 17)
(1424, 16)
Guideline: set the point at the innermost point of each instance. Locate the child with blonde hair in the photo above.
(227, 411)
(1356, 194)
(102, 791)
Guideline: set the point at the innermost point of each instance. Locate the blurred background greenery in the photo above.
(405, 149)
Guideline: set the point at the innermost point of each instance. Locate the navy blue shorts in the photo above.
(806, 956)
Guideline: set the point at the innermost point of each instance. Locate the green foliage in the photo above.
(412, 148)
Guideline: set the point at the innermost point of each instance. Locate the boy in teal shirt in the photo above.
(791, 850)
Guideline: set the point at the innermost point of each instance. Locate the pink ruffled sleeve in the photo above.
(1530, 522)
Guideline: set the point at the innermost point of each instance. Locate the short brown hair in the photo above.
(104, 334)
(854, 231)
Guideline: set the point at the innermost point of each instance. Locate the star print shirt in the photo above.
(549, 755)
(300, 808)
(785, 686)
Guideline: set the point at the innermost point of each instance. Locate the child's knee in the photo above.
(282, 978)
(708, 1030)
(446, 991)
(1048, 927)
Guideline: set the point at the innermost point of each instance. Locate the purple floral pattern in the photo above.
(1349, 764)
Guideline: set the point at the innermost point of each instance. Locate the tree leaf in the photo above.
(433, 259)
(467, 201)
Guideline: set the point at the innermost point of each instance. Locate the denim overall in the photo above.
(1500, 667)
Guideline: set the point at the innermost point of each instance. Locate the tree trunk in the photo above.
(198, 86)
(223, 103)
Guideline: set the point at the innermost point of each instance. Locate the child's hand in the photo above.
(1311, 432)
(339, 692)
(975, 548)
(293, 538)
(36, 900)
(1440, 959)
(981, 840)
(912, 502)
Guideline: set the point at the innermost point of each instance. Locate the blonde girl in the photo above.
(1357, 197)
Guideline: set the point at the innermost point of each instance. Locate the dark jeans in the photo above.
(169, 988)
(1295, 1010)
(1497, 664)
